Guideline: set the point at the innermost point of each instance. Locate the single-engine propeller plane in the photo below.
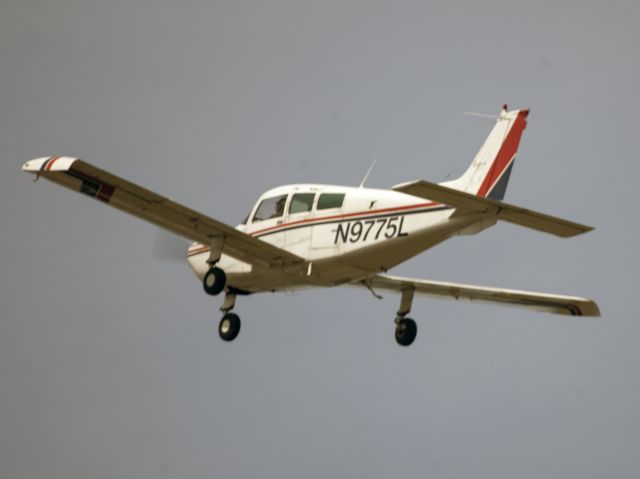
(310, 235)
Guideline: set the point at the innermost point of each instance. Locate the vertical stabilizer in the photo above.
(489, 172)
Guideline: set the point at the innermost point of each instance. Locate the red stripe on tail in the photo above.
(506, 153)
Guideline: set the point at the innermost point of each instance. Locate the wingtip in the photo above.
(48, 163)
(35, 165)
(582, 229)
(594, 311)
(588, 308)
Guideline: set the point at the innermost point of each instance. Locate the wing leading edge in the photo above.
(550, 303)
(85, 178)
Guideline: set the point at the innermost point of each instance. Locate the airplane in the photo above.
(311, 235)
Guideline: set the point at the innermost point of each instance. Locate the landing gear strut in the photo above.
(406, 328)
(229, 326)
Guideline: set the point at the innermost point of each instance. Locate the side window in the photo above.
(330, 200)
(270, 208)
(301, 202)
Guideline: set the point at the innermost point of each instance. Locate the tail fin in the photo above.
(488, 174)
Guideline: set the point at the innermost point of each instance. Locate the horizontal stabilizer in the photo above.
(550, 303)
(469, 203)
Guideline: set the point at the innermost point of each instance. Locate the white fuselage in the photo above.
(369, 231)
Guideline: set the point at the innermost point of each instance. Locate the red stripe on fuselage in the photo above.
(203, 248)
(346, 215)
(505, 155)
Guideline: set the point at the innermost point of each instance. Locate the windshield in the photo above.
(270, 208)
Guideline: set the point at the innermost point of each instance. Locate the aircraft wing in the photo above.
(551, 303)
(468, 203)
(138, 201)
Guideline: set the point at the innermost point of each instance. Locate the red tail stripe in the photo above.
(506, 153)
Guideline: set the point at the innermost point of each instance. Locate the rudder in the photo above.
(489, 172)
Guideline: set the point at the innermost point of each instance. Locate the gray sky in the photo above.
(110, 362)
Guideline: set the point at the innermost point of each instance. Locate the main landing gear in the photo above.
(406, 328)
(214, 281)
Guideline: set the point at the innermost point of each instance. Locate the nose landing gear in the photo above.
(229, 326)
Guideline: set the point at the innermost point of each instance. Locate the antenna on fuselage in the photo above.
(364, 180)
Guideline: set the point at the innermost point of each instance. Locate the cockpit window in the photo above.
(301, 202)
(330, 200)
(270, 208)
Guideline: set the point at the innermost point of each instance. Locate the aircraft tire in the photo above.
(229, 327)
(214, 281)
(406, 331)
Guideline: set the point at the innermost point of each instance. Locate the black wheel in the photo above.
(214, 281)
(229, 327)
(406, 331)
